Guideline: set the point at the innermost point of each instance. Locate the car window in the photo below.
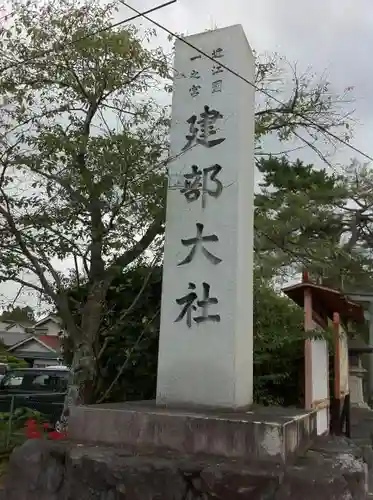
(43, 382)
(40, 382)
(36, 382)
(63, 382)
(13, 380)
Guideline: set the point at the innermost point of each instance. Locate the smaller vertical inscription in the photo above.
(195, 90)
(217, 53)
(217, 86)
(216, 69)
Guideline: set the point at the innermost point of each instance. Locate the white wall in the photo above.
(49, 328)
(11, 338)
(31, 346)
(320, 381)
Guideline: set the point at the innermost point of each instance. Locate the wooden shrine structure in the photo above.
(326, 308)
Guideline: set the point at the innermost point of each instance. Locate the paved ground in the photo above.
(362, 425)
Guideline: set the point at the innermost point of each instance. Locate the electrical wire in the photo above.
(235, 73)
(144, 15)
(267, 94)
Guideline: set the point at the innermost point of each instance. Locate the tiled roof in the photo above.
(50, 341)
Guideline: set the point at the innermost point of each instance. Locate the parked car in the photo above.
(57, 367)
(41, 389)
(3, 369)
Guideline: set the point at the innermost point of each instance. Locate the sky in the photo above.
(330, 37)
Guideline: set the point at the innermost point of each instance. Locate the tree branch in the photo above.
(22, 282)
(125, 313)
(25, 250)
(124, 365)
(133, 253)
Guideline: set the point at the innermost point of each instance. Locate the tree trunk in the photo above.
(83, 371)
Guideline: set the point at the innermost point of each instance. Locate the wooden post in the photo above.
(340, 407)
(308, 325)
(316, 366)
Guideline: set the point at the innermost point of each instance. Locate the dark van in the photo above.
(41, 389)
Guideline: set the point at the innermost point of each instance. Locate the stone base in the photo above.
(273, 433)
(47, 470)
(356, 387)
(362, 405)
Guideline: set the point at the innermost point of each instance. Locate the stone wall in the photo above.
(43, 470)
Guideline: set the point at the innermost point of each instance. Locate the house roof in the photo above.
(50, 317)
(24, 324)
(326, 301)
(50, 343)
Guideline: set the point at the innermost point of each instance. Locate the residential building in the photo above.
(38, 343)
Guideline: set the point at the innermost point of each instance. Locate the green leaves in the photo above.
(81, 152)
(278, 346)
(316, 220)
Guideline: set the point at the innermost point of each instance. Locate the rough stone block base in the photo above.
(277, 434)
(43, 470)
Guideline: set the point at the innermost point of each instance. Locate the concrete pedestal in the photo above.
(356, 375)
(276, 434)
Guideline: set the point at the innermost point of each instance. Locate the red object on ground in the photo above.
(33, 434)
(35, 431)
(55, 435)
(31, 423)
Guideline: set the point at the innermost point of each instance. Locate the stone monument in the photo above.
(206, 340)
(205, 366)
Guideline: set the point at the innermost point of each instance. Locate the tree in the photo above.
(302, 110)
(18, 314)
(83, 150)
(278, 348)
(88, 150)
(128, 341)
(306, 217)
(127, 367)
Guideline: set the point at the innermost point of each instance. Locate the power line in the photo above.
(315, 124)
(233, 72)
(60, 47)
